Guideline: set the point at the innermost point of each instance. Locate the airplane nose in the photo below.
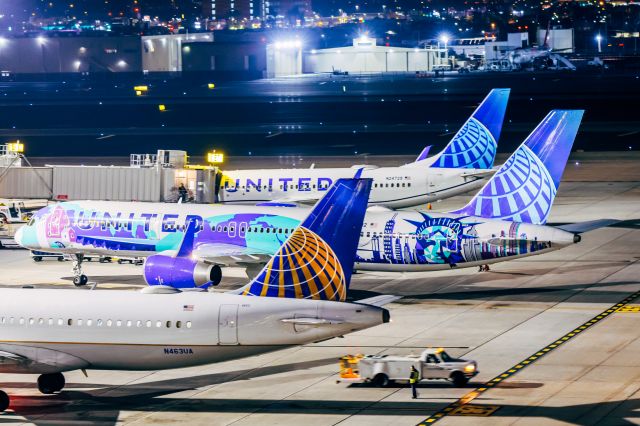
(18, 236)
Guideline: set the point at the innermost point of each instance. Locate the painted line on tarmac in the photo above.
(455, 407)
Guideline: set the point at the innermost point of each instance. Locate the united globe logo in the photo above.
(473, 147)
(305, 267)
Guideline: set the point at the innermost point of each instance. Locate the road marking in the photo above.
(475, 410)
(621, 306)
(629, 309)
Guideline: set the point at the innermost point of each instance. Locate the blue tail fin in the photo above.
(475, 144)
(524, 187)
(316, 261)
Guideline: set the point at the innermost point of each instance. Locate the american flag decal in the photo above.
(187, 308)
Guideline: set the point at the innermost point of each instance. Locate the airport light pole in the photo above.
(599, 40)
(445, 40)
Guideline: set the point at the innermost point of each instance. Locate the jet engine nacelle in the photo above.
(180, 272)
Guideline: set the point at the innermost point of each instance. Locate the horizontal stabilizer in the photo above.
(383, 299)
(311, 321)
(580, 227)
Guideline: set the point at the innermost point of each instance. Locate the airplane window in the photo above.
(409, 184)
(158, 324)
(69, 322)
(280, 230)
(314, 186)
(281, 187)
(188, 324)
(21, 321)
(109, 323)
(242, 229)
(168, 324)
(41, 321)
(219, 228)
(232, 229)
(403, 184)
(31, 321)
(89, 323)
(119, 323)
(148, 324)
(129, 323)
(362, 234)
(202, 227)
(261, 230)
(2, 320)
(368, 234)
(11, 321)
(178, 324)
(224, 229)
(99, 323)
(138, 323)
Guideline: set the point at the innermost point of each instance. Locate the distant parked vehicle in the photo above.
(39, 256)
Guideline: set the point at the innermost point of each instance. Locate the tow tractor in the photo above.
(381, 370)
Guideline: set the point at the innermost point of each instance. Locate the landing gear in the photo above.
(51, 383)
(483, 268)
(4, 401)
(79, 279)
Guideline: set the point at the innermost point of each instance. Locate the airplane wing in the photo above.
(131, 244)
(230, 255)
(25, 359)
(480, 173)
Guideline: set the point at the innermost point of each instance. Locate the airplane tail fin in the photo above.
(316, 261)
(475, 144)
(524, 187)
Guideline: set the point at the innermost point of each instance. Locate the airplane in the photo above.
(524, 57)
(298, 298)
(505, 220)
(459, 168)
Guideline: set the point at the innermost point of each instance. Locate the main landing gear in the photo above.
(47, 384)
(79, 279)
(483, 268)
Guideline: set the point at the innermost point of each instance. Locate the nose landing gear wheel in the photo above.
(4, 401)
(51, 383)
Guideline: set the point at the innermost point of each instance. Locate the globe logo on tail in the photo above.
(473, 147)
(523, 191)
(305, 267)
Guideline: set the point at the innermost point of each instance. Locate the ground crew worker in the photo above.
(413, 381)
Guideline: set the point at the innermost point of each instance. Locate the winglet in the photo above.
(316, 261)
(475, 144)
(523, 189)
(424, 153)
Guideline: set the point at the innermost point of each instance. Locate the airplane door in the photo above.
(228, 325)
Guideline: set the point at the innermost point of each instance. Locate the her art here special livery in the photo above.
(462, 166)
(505, 220)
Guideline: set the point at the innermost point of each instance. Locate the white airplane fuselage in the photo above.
(64, 330)
(395, 187)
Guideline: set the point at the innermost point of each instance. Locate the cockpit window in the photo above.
(32, 221)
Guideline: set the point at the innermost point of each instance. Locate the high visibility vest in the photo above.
(413, 378)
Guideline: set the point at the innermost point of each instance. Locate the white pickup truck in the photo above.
(381, 370)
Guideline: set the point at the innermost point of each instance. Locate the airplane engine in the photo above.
(180, 272)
